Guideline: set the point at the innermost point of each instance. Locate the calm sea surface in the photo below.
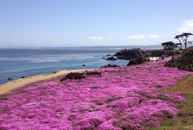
(15, 63)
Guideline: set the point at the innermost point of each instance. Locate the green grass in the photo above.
(184, 119)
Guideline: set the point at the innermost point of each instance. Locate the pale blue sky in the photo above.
(60, 23)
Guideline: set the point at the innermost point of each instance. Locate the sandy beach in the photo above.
(7, 87)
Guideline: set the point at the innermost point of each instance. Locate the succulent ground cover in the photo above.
(120, 98)
(184, 118)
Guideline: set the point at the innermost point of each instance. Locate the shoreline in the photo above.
(9, 86)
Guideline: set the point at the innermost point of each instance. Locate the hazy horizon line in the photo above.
(105, 46)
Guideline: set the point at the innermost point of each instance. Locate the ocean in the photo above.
(15, 63)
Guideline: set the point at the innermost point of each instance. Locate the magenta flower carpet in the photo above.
(121, 98)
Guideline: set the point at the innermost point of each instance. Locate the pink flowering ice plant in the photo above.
(122, 98)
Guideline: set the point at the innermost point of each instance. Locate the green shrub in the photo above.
(168, 64)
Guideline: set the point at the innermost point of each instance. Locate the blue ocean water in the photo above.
(15, 63)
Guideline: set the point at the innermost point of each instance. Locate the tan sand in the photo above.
(7, 87)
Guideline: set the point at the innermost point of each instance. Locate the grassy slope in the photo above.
(184, 119)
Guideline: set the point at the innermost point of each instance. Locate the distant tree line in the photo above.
(182, 38)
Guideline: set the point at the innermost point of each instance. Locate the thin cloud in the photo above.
(100, 38)
(153, 36)
(187, 26)
(141, 36)
(96, 38)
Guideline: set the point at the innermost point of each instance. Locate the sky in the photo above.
(72, 23)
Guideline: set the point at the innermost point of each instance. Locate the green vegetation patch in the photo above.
(184, 119)
(184, 62)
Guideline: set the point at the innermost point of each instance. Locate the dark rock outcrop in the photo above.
(78, 76)
(93, 73)
(183, 62)
(109, 65)
(135, 61)
(135, 53)
(9, 78)
(73, 76)
(111, 58)
(136, 56)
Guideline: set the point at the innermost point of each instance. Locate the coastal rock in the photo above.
(78, 76)
(135, 53)
(111, 58)
(74, 76)
(10, 78)
(94, 73)
(109, 65)
(136, 56)
(55, 72)
(135, 61)
(132, 62)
